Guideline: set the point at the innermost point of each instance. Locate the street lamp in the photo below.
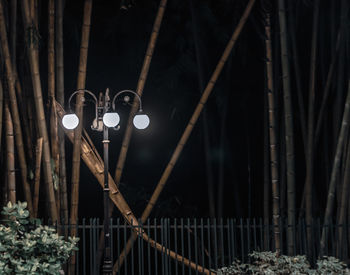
(106, 117)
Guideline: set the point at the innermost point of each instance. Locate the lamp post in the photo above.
(104, 119)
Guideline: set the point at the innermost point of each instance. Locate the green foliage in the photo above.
(268, 263)
(27, 247)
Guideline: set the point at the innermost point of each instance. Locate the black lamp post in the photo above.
(105, 119)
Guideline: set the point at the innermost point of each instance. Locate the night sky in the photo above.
(235, 109)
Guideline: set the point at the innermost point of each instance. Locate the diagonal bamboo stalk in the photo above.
(334, 174)
(14, 109)
(188, 129)
(38, 157)
(33, 56)
(273, 139)
(197, 112)
(10, 156)
(139, 89)
(95, 164)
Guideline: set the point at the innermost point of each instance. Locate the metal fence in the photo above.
(209, 243)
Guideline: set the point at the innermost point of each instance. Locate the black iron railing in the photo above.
(209, 243)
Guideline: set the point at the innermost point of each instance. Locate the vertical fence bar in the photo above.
(126, 258)
(229, 242)
(303, 236)
(254, 234)
(209, 243)
(195, 244)
(189, 243)
(139, 250)
(202, 243)
(148, 248)
(242, 240)
(131, 227)
(169, 244)
(233, 237)
(155, 251)
(261, 243)
(162, 242)
(248, 238)
(165, 238)
(268, 236)
(118, 243)
(142, 251)
(91, 256)
(182, 245)
(78, 254)
(111, 241)
(95, 241)
(175, 237)
(215, 245)
(222, 252)
(84, 246)
(333, 240)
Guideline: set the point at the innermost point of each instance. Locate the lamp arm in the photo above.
(85, 91)
(127, 91)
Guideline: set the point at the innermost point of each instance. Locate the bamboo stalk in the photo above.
(10, 156)
(33, 55)
(343, 207)
(84, 44)
(38, 157)
(334, 174)
(139, 90)
(288, 119)
(267, 177)
(197, 112)
(295, 54)
(23, 112)
(60, 99)
(1, 110)
(13, 32)
(327, 87)
(273, 139)
(79, 108)
(51, 95)
(14, 109)
(95, 164)
(272, 135)
(310, 136)
(190, 125)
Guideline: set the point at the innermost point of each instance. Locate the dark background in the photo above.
(235, 110)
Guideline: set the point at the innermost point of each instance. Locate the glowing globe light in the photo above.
(111, 119)
(70, 121)
(141, 121)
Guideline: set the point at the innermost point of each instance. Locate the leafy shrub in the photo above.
(268, 263)
(27, 247)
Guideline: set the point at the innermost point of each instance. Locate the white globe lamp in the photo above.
(111, 119)
(70, 121)
(141, 121)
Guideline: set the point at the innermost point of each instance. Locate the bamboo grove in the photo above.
(306, 112)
